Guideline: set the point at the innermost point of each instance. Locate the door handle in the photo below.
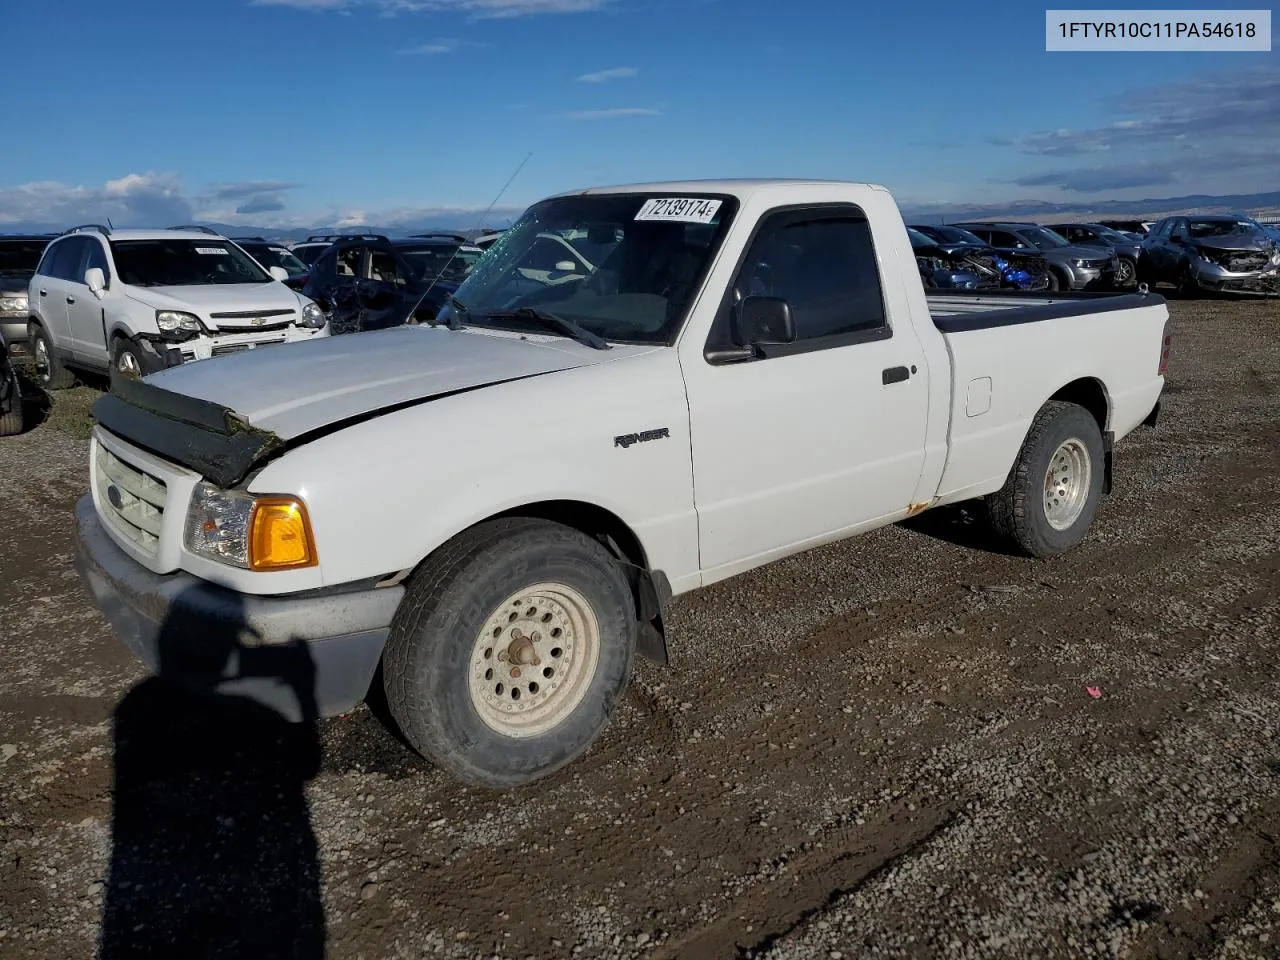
(71, 299)
(44, 293)
(895, 375)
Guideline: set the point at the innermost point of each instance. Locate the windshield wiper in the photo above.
(555, 322)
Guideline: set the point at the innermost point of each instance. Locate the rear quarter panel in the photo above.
(1002, 375)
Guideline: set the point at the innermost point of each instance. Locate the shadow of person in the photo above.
(212, 853)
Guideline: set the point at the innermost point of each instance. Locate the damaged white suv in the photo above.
(140, 301)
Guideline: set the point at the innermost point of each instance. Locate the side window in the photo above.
(95, 256)
(544, 254)
(382, 266)
(45, 267)
(824, 267)
(323, 271)
(347, 261)
(66, 259)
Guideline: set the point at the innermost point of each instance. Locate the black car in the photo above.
(1230, 254)
(270, 254)
(374, 283)
(1126, 248)
(19, 254)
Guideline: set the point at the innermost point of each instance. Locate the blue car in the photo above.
(951, 258)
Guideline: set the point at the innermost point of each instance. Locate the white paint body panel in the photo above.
(763, 458)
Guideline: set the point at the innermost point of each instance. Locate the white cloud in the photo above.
(479, 9)
(613, 113)
(159, 200)
(604, 76)
(438, 47)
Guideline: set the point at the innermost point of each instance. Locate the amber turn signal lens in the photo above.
(280, 536)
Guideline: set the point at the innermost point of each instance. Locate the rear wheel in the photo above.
(510, 650)
(1049, 500)
(50, 373)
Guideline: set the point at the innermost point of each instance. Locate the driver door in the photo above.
(385, 293)
(816, 438)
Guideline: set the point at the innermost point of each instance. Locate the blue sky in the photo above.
(297, 112)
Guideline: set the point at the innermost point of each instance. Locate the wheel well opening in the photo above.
(1087, 393)
(589, 519)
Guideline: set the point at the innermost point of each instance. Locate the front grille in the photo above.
(1244, 262)
(254, 320)
(132, 500)
(237, 347)
(250, 314)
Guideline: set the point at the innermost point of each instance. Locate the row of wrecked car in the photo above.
(1224, 253)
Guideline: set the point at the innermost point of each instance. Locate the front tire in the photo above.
(1049, 500)
(1126, 272)
(1054, 282)
(510, 650)
(126, 358)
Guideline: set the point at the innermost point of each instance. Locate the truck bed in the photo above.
(956, 311)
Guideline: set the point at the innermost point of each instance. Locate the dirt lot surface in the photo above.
(881, 748)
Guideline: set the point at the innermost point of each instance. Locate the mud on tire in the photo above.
(506, 598)
(1049, 500)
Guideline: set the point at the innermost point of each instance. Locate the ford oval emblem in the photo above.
(113, 496)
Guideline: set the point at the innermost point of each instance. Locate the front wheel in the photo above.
(1054, 283)
(510, 650)
(1126, 272)
(126, 358)
(1049, 500)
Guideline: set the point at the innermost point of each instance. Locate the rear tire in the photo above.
(1051, 496)
(50, 373)
(11, 418)
(509, 651)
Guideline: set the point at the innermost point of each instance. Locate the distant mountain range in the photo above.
(1261, 205)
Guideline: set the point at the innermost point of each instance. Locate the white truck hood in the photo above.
(294, 389)
(204, 300)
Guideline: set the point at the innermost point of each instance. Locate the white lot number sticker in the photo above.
(679, 210)
(212, 251)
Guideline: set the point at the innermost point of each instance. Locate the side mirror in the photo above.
(96, 281)
(760, 321)
(278, 273)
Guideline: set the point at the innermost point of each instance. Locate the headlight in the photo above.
(1080, 263)
(248, 531)
(178, 326)
(15, 304)
(312, 316)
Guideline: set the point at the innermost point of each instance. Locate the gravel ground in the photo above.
(880, 748)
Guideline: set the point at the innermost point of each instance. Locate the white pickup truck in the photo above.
(496, 510)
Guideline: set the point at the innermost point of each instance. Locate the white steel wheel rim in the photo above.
(127, 364)
(534, 659)
(1066, 483)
